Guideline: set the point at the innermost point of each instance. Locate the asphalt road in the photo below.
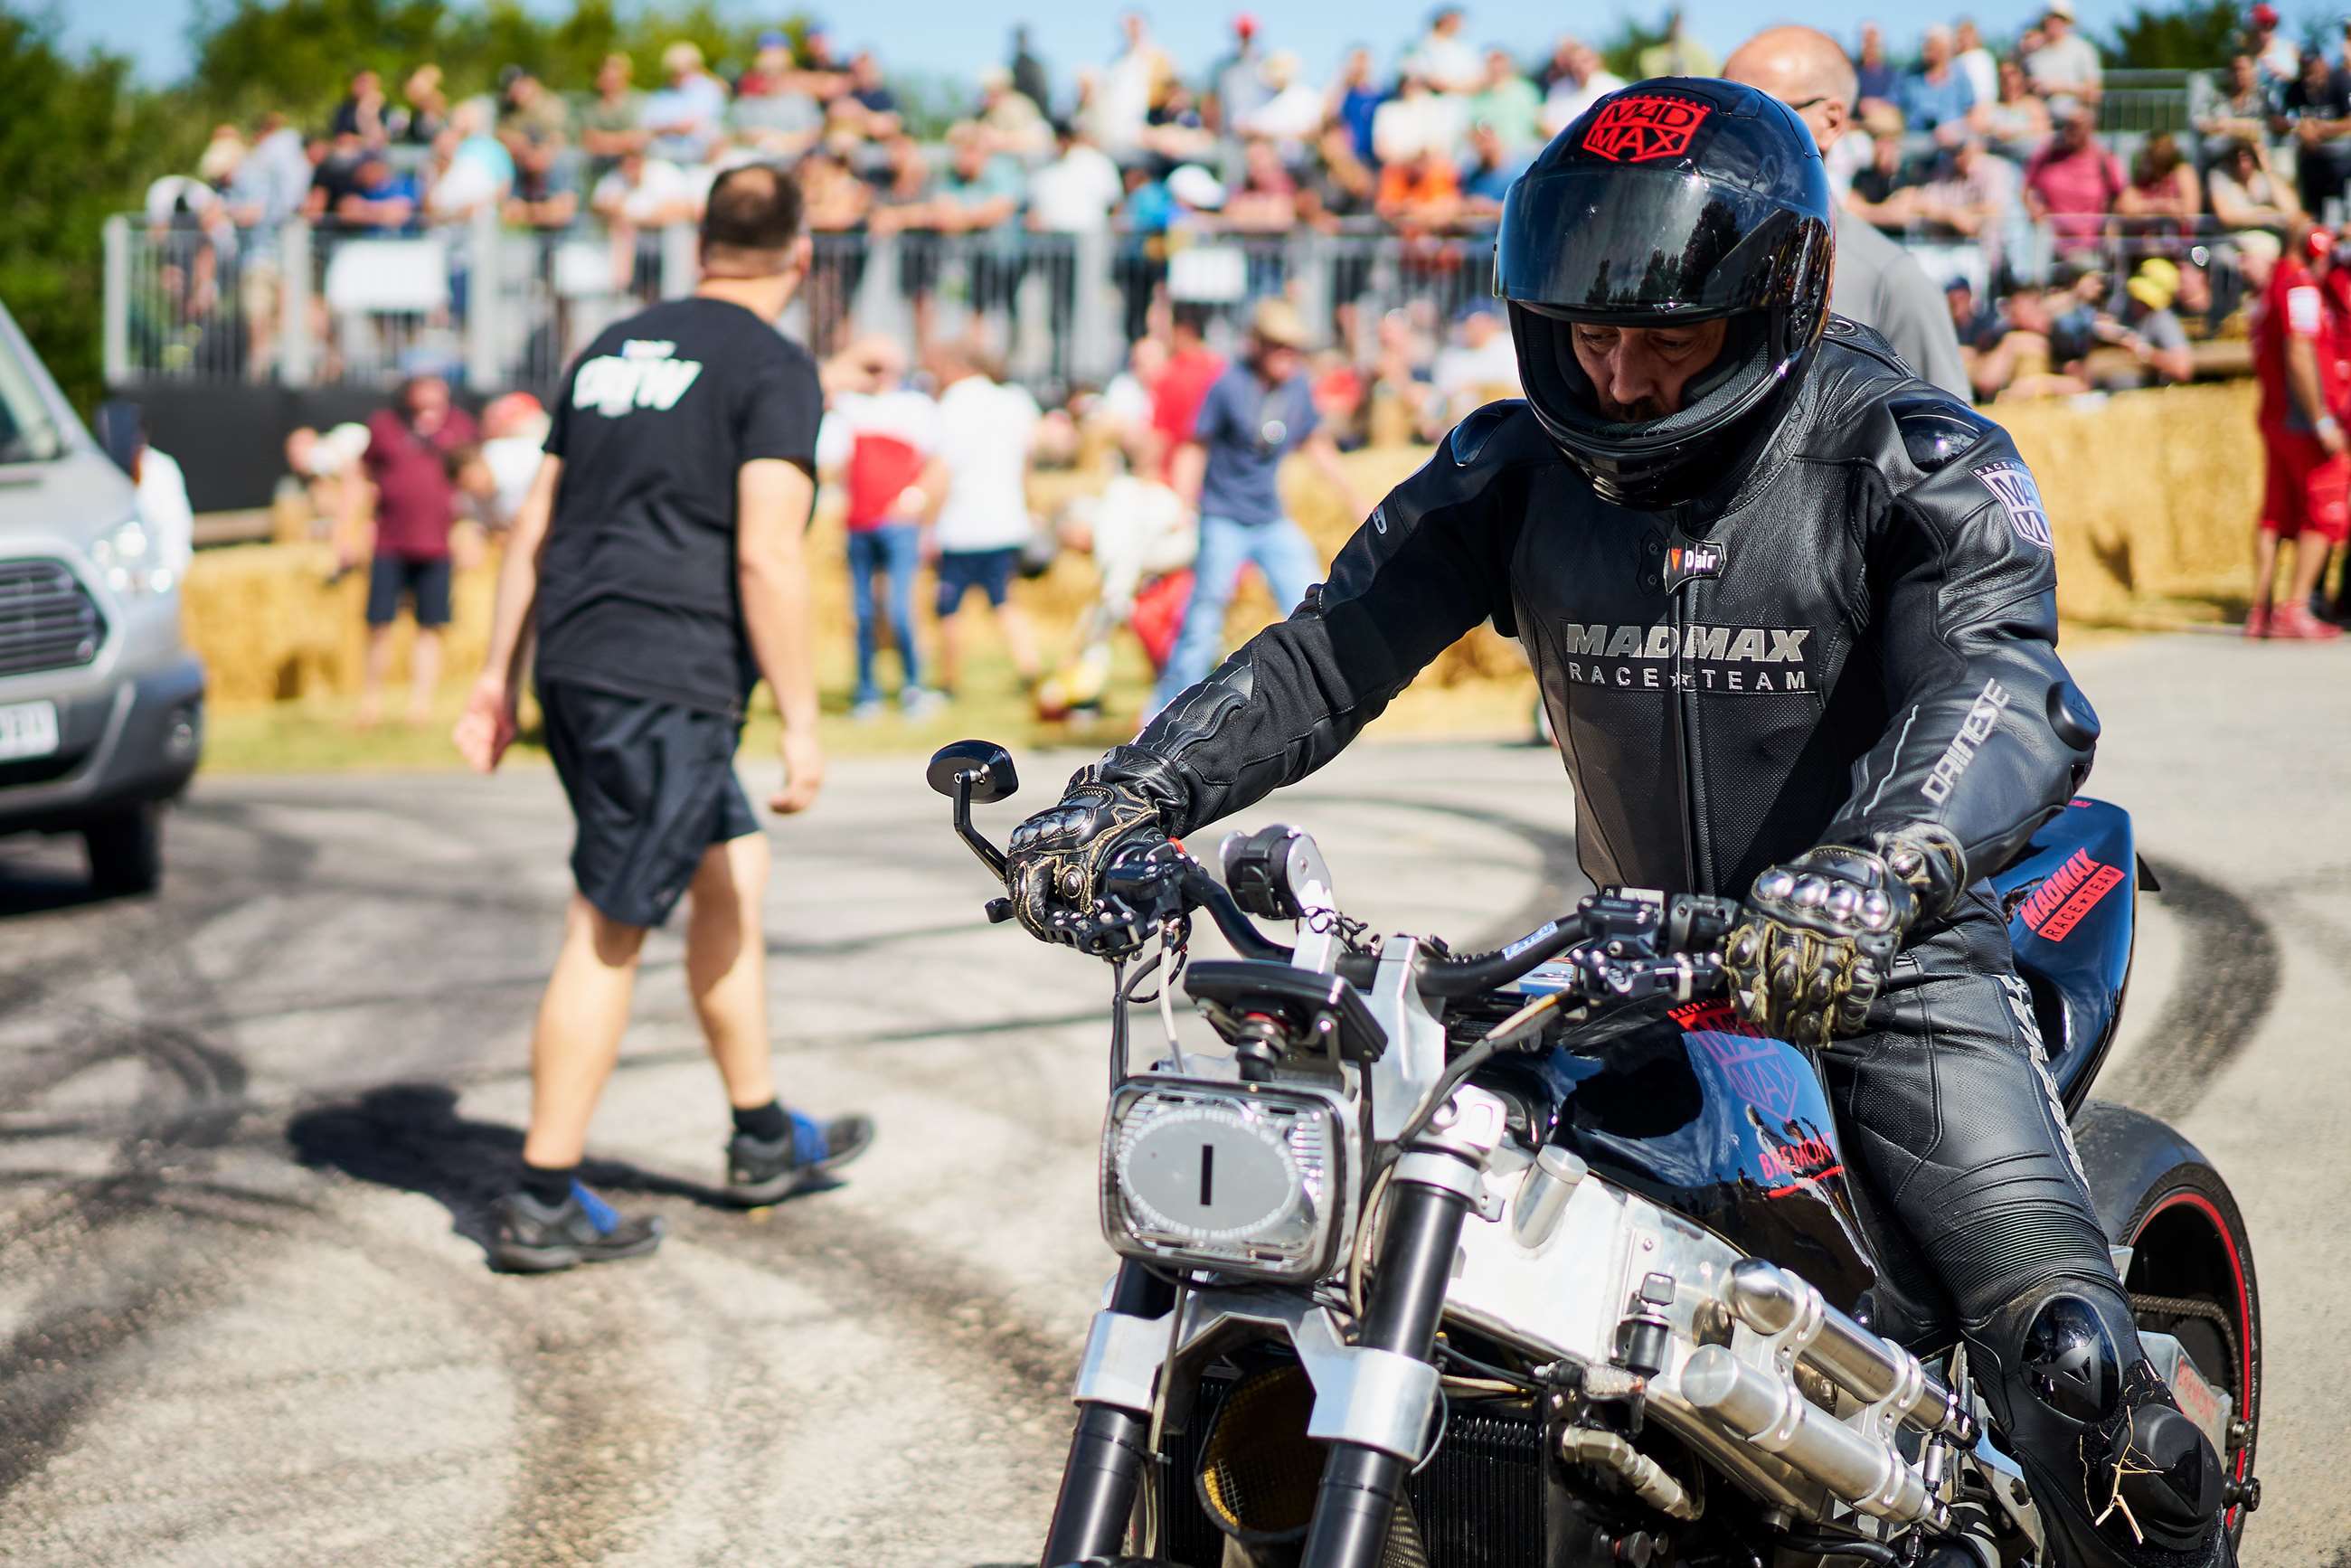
(248, 1129)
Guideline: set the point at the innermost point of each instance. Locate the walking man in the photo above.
(659, 560)
(1257, 413)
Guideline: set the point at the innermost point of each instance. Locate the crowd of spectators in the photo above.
(1989, 163)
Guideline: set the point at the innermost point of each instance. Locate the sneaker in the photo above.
(2295, 622)
(533, 1239)
(921, 701)
(865, 710)
(758, 1173)
(2257, 620)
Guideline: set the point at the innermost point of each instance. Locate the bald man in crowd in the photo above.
(1876, 283)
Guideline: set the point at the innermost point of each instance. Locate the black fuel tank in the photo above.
(1703, 1115)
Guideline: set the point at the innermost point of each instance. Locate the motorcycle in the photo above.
(1541, 1257)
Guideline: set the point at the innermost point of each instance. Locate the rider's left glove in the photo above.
(1059, 857)
(1816, 940)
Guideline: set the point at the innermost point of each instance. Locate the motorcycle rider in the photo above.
(1793, 612)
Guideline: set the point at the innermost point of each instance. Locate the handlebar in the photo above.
(1624, 943)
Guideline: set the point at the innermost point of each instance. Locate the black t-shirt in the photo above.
(2331, 101)
(637, 587)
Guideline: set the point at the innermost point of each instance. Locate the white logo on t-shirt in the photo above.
(642, 375)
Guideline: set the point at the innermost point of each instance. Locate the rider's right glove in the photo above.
(1814, 942)
(1058, 858)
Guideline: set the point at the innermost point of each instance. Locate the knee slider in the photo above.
(2070, 1362)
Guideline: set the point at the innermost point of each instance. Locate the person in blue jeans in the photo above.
(894, 550)
(1258, 413)
(879, 447)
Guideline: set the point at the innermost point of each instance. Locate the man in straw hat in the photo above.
(1258, 413)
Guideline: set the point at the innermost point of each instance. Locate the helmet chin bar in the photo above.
(1728, 411)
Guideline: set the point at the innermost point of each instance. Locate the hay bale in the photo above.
(2151, 498)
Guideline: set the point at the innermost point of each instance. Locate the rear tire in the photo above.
(2189, 1246)
(126, 849)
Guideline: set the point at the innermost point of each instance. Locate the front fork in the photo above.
(1110, 1451)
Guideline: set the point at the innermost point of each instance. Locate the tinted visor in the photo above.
(1637, 245)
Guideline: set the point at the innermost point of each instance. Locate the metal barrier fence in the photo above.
(494, 307)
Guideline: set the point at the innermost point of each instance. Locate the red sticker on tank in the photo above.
(1650, 125)
(2073, 890)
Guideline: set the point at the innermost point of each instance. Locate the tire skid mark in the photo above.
(189, 1105)
(2233, 970)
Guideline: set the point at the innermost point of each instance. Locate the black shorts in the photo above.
(392, 578)
(652, 786)
(989, 571)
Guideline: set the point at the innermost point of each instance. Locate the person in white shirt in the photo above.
(1586, 80)
(980, 524)
(163, 490)
(1293, 116)
(2277, 57)
(1478, 367)
(1122, 93)
(514, 438)
(1443, 57)
(2066, 64)
(1974, 61)
(1417, 121)
(1075, 192)
(1138, 531)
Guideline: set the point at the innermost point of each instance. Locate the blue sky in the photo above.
(956, 36)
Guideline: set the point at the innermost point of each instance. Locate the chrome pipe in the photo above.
(1766, 1411)
(1873, 1369)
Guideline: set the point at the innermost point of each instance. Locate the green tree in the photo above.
(2194, 35)
(1621, 52)
(78, 141)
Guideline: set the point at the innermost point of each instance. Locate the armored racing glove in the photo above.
(1814, 942)
(1059, 858)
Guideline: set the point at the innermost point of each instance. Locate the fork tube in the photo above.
(1108, 1452)
(1360, 1485)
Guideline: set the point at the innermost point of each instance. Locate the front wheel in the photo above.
(2191, 1277)
(126, 849)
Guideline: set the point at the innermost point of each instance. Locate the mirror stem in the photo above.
(989, 855)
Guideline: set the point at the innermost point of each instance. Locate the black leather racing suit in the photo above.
(1859, 638)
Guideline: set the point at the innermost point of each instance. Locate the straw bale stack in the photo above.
(2151, 498)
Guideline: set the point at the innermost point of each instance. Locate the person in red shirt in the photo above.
(411, 462)
(2303, 381)
(1191, 369)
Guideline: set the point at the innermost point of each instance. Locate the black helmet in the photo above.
(1673, 201)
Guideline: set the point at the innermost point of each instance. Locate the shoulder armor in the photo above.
(1473, 435)
(1936, 426)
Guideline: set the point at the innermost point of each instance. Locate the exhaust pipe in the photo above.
(1768, 1412)
(1873, 1369)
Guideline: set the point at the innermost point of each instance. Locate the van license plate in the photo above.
(28, 729)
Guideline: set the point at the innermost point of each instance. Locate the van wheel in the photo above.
(126, 849)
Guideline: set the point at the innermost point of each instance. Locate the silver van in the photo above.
(101, 704)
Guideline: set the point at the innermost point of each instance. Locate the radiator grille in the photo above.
(47, 619)
(1479, 1502)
